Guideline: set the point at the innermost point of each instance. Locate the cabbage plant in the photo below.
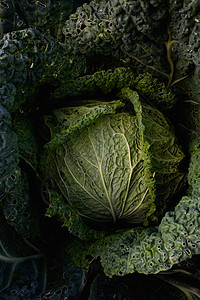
(115, 71)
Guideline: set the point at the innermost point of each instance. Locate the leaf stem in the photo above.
(13, 259)
(168, 46)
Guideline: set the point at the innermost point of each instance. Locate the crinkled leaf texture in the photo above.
(27, 142)
(110, 165)
(108, 81)
(14, 190)
(48, 16)
(151, 250)
(28, 57)
(139, 30)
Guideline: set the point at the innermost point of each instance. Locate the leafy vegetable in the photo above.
(108, 166)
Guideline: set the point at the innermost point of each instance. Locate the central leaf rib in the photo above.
(112, 211)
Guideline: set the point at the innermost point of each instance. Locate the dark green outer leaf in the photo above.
(14, 191)
(27, 143)
(28, 57)
(9, 170)
(111, 80)
(47, 15)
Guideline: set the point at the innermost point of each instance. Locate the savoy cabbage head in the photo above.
(88, 92)
(112, 164)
